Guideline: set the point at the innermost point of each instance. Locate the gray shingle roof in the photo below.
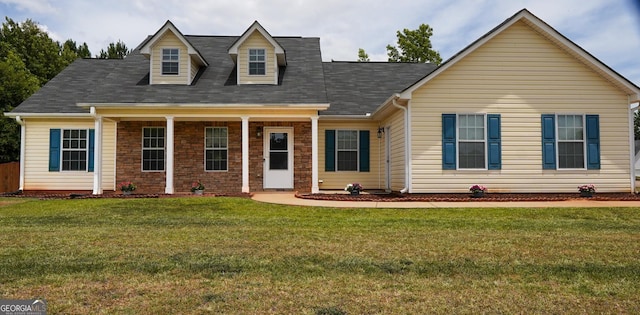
(351, 88)
(356, 88)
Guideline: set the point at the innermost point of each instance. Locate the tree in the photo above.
(16, 84)
(362, 55)
(414, 46)
(69, 51)
(114, 51)
(41, 54)
(636, 125)
(29, 58)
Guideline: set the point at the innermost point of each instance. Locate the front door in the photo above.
(278, 158)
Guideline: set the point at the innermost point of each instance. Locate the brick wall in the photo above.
(129, 158)
(189, 157)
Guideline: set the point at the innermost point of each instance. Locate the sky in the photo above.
(608, 29)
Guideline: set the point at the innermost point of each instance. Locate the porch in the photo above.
(166, 154)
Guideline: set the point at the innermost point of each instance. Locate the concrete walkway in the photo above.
(288, 198)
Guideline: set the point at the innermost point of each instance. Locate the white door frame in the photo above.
(278, 179)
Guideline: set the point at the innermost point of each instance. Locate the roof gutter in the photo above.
(632, 151)
(48, 115)
(405, 189)
(23, 150)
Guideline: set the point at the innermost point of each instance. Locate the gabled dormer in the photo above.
(258, 56)
(172, 59)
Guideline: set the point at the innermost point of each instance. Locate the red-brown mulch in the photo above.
(467, 197)
(88, 195)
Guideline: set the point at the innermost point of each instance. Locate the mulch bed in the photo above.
(43, 195)
(381, 197)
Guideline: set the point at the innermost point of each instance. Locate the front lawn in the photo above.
(233, 255)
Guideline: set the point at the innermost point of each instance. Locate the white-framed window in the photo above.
(570, 141)
(216, 148)
(170, 61)
(347, 150)
(257, 62)
(153, 147)
(471, 141)
(74, 149)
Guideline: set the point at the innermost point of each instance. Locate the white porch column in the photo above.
(169, 165)
(245, 154)
(97, 156)
(315, 188)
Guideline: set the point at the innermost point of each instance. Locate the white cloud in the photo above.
(35, 6)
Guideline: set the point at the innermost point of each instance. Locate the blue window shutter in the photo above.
(92, 136)
(364, 151)
(593, 142)
(549, 141)
(54, 150)
(448, 141)
(330, 150)
(494, 142)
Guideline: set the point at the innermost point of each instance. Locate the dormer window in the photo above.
(257, 62)
(170, 61)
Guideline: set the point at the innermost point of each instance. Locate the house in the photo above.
(521, 109)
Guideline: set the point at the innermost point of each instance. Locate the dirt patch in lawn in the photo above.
(381, 197)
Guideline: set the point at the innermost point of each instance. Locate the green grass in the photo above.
(233, 255)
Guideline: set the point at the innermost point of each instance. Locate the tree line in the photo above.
(29, 58)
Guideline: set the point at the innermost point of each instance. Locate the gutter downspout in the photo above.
(23, 135)
(405, 189)
(632, 153)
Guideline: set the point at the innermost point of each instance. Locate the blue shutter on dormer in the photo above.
(593, 142)
(364, 150)
(92, 136)
(329, 150)
(448, 141)
(549, 141)
(494, 142)
(54, 150)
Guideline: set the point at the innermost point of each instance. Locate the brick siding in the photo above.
(189, 157)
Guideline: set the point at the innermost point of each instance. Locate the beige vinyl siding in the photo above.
(37, 175)
(169, 40)
(194, 69)
(257, 41)
(374, 179)
(520, 75)
(397, 153)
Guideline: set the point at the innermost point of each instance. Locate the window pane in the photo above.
(74, 150)
(278, 160)
(216, 138)
(347, 160)
(216, 160)
(216, 153)
(570, 127)
(153, 149)
(278, 141)
(471, 155)
(257, 64)
(570, 155)
(257, 68)
(347, 139)
(471, 127)
(347, 145)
